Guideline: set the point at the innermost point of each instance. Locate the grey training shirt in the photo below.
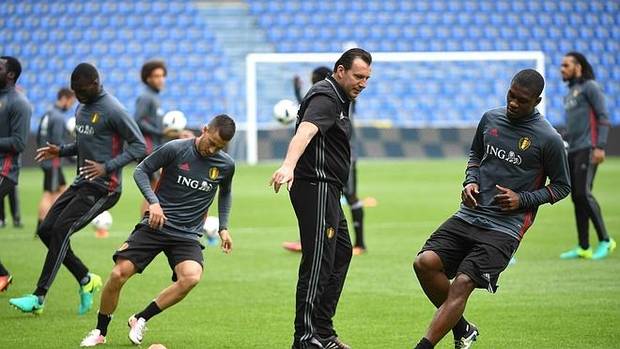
(518, 155)
(187, 186)
(15, 113)
(587, 119)
(51, 130)
(149, 117)
(102, 128)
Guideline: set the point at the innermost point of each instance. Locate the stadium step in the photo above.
(238, 33)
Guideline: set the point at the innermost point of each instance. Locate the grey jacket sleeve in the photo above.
(158, 159)
(596, 98)
(145, 112)
(135, 149)
(19, 123)
(555, 166)
(476, 152)
(224, 203)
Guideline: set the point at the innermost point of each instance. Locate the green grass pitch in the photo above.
(246, 300)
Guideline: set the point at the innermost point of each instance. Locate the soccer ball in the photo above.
(103, 221)
(285, 111)
(70, 125)
(175, 120)
(211, 226)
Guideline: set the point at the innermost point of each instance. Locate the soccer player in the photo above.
(350, 190)
(15, 113)
(52, 130)
(102, 127)
(148, 112)
(512, 154)
(587, 124)
(193, 170)
(319, 159)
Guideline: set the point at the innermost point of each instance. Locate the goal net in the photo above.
(406, 90)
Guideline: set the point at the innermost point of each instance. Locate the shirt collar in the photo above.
(338, 89)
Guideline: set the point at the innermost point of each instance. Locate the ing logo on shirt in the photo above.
(213, 173)
(94, 118)
(524, 143)
(123, 247)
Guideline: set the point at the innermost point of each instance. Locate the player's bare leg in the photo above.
(188, 275)
(122, 271)
(451, 311)
(429, 270)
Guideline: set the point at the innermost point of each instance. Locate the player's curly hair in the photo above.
(587, 73)
(148, 67)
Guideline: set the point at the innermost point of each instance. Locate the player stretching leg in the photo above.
(513, 152)
(102, 127)
(192, 171)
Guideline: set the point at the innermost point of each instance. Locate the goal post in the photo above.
(535, 59)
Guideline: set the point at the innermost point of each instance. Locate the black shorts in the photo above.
(53, 179)
(479, 253)
(145, 243)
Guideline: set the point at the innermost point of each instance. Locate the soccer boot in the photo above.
(467, 341)
(313, 343)
(333, 342)
(5, 281)
(137, 327)
(93, 338)
(87, 292)
(577, 252)
(603, 249)
(28, 304)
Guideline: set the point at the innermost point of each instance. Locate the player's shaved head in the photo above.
(531, 80)
(524, 94)
(12, 66)
(85, 71)
(85, 82)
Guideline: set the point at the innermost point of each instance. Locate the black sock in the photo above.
(424, 344)
(85, 280)
(151, 310)
(357, 213)
(102, 323)
(461, 328)
(40, 293)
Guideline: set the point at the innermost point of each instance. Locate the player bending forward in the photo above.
(192, 170)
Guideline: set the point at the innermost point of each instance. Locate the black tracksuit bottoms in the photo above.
(72, 211)
(326, 254)
(582, 172)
